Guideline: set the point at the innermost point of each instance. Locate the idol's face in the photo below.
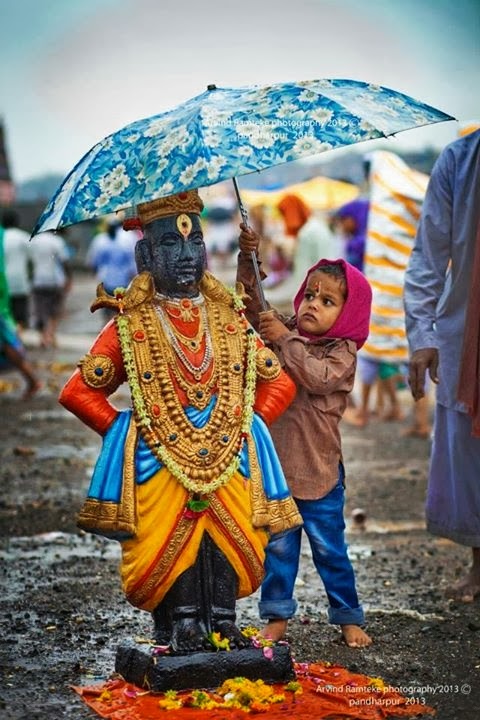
(175, 254)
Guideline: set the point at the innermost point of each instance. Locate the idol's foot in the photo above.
(466, 589)
(162, 635)
(162, 620)
(188, 635)
(275, 630)
(229, 630)
(354, 636)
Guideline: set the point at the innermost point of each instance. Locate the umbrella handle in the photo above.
(256, 269)
(241, 206)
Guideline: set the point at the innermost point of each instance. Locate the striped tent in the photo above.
(396, 196)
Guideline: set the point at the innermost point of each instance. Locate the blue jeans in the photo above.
(324, 525)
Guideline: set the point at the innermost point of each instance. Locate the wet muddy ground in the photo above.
(63, 612)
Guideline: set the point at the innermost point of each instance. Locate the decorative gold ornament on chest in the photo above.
(199, 395)
(206, 455)
(183, 309)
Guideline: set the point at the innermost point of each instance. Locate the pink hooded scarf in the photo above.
(354, 320)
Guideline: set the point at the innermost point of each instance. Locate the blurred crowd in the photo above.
(375, 232)
(298, 225)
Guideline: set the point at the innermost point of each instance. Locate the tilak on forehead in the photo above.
(314, 284)
(180, 206)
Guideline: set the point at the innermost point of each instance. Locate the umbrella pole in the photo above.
(256, 269)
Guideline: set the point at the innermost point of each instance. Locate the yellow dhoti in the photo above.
(169, 536)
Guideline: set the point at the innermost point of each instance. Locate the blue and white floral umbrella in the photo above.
(224, 133)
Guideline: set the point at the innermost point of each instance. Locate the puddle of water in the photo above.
(88, 452)
(41, 415)
(389, 526)
(359, 552)
(55, 546)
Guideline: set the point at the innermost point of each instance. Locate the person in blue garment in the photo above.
(442, 289)
(352, 218)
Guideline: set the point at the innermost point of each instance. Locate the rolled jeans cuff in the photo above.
(346, 616)
(277, 609)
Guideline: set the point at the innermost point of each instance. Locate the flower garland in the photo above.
(203, 488)
(131, 370)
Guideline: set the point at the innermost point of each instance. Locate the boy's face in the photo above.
(322, 303)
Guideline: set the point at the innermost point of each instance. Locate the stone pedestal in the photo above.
(159, 673)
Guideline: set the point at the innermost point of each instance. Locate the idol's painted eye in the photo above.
(196, 238)
(170, 239)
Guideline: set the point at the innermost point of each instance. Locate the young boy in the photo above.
(317, 347)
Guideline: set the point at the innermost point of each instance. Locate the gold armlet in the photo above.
(268, 366)
(98, 371)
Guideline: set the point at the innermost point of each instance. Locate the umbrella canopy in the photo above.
(226, 132)
(319, 193)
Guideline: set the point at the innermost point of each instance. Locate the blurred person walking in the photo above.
(111, 256)
(52, 278)
(17, 259)
(12, 352)
(442, 289)
(221, 229)
(351, 219)
(312, 239)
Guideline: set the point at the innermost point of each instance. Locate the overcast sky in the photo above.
(75, 70)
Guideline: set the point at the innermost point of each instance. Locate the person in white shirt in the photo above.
(51, 282)
(16, 250)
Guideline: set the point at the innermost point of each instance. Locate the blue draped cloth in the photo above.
(106, 483)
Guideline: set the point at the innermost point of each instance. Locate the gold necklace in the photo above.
(188, 311)
(193, 342)
(188, 308)
(196, 370)
(200, 452)
(198, 394)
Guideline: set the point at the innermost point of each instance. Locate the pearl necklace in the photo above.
(196, 370)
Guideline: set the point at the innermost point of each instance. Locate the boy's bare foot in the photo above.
(354, 636)
(355, 417)
(274, 630)
(466, 589)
